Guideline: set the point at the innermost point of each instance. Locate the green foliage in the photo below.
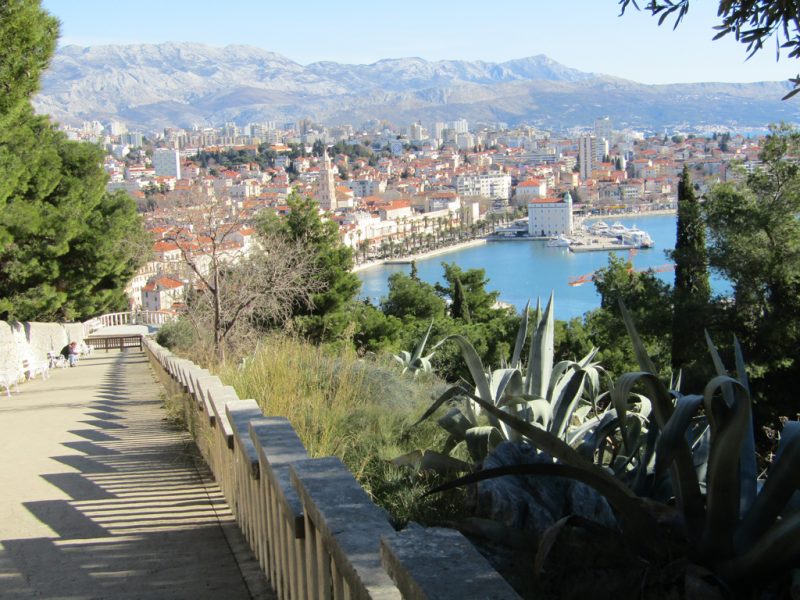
(67, 248)
(27, 42)
(330, 316)
(724, 520)
(692, 292)
(354, 408)
(648, 299)
(376, 331)
(480, 302)
(459, 309)
(176, 335)
(412, 299)
(754, 237)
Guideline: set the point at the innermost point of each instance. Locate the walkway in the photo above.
(101, 498)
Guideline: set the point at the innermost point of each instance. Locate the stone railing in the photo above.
(143, 317)
(313, 529)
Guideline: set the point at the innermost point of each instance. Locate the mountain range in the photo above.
(151, 86)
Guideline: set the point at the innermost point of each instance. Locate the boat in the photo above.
(637, 238)
(560, 241)
(617, 229)
(599, 228)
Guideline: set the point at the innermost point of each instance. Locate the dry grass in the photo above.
(357, 409)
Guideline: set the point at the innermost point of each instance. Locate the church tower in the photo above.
(326, 187)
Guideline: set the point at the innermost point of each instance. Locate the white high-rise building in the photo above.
(167, 162)
(603, 129)
(587, 155)
(460, 126)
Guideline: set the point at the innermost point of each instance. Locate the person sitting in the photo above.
(70, 352)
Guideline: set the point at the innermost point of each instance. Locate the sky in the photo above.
(588, 35)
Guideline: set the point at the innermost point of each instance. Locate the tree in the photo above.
(328, 315)
(692, 291)
(412, 299)
(67, 248)
(473, 281)
(238, 290)
(755, 244)
(649, 301)
(751, 23)
(459, 309)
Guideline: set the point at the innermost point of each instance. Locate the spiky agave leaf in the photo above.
(728, 427)
(481, 441)
(683, 475)
(748, 468)
(420, 348)
(636, 521)
(540, 358)
(522, 334)
(778, 489)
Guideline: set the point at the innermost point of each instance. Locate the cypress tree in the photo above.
(460, 307)
(692, 291)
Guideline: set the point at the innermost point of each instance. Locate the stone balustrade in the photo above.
(143, 317)
(314, 530)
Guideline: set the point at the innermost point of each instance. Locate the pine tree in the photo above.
(331, 313)
(692, 291)
(67, 248)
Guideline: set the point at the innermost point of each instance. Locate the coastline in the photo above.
(405, 260)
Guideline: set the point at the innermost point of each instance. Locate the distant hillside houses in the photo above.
(395, 191)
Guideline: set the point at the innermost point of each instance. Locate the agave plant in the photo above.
(542, 393)
(722, 517)
(415, 361)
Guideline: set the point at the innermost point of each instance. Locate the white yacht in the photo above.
(561, 241)
(637, 238)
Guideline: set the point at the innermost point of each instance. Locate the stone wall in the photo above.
(32, 341)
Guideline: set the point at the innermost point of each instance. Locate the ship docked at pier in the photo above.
(599, 236)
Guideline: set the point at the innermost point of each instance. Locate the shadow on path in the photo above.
(132, 509)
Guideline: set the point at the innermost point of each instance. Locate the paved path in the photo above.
(101, 498)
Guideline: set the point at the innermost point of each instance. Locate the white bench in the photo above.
(9, 378)
(31, 368)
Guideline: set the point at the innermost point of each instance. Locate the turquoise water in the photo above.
(526, 269)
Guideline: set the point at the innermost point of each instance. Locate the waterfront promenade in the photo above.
(100, 497)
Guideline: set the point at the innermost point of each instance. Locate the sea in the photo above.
(528, 269)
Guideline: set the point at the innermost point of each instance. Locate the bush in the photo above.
(176, 335)
(357, 409)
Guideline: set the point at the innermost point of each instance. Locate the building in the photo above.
(530, 189)
(326, 187)
(603, 129)
(487, 185)
(161, 292)
(590, 152)
(549, 217)
(167, 162)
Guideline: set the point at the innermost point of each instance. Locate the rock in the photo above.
(534, 503)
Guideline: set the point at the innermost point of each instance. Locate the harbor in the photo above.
(525, 269)
(601, 237)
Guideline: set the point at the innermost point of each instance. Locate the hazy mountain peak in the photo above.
(174, 83)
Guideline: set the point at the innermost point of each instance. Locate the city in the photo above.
(392, 192)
